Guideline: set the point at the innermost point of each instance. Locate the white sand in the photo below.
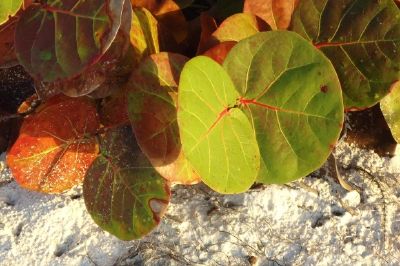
(312, 221)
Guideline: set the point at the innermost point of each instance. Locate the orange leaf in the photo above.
(56, 145)
(220, 51)
(277, 13)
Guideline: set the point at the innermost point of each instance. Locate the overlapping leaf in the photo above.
(277, 13)
(60, 39)
(236, 28)
(54, 148)
(9, 8)
(169, 13)
(220, 51)
(152, 96)
(361, 38)
(123, 193)
(144, 34)
(217, 138)
(104, 77)
(291, 92)
(390, 107)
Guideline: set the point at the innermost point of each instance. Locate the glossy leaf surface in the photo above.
(123, 193)
(217, 138)
(60, 39)
(152, 99)
(390, 106)
(277, 13)
(9, 8)
(292, 94)
(54, 148)
(361, 38)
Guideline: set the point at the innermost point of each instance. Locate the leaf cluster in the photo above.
(139, 95)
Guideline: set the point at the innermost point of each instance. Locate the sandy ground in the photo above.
(313, 221)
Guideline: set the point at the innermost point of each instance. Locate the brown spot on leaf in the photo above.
(324, 88)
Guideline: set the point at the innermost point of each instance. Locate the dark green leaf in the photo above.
(361, 38)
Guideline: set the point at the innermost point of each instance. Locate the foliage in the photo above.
(141, 95)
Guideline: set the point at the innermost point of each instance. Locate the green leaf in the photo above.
(123, 193)
(361, 38)
(144, 34)
(390, 106)
(60, 39)
(292, 94)
(152, 96)
(9, 8)
(217, 138)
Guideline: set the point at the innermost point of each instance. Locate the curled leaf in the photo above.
(361, 38)
(123, 193)
(152, 101)
(55, 147)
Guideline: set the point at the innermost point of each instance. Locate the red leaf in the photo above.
(220, 51)
(56, 145)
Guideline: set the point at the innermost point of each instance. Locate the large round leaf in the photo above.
(123, 193)
(361, 38)
(152, 96)
(60, 39)
(291, 92)
(217, 138)
(56, 145)
(9, 8)
(390, 106)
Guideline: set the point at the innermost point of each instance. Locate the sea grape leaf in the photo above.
(168, 13)
(220, 51)
(104, 77)
(123, 193)
(144, 34)
(390, 106)
(292, 94)
(152, 101)
(9, 8)
(55, 147)
(361, 38)
(217, 138)
(237, 27)
(277, 13)
(57, 40)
